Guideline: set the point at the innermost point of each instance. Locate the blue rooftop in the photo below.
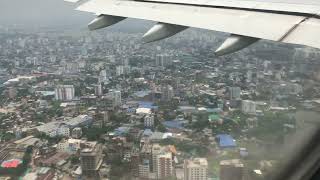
(146, 104)
(173, 124)
(147, 132)
(121, 131)
(226, 141)
(142, 93)
(131, 110)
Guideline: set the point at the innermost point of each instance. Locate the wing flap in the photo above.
(307, 33)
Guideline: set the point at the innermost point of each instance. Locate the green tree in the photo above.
(74, 159)
(161, 128)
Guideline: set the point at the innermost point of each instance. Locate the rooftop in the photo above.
(90, 146)
(232, 162)
(143, 111)
(214, 117)
(173, 124)
(226, 141)
(197, 162)
(52, 126)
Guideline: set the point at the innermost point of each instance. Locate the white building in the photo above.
(143, 111)
(43, 104)
(71, 146)
(64, 92)
(248, 107)
(163, 60)
(149, 120)
(62, 128)
(167, 93)
(53, 130)
(196, 169)
(119, 70)
(98, 90)
(144, 169)
(63, 131)
(103, 76)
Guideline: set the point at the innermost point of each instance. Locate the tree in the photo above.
(161, 128)
(74, 159)
(8, 136)
(270, 126)
(94, 133)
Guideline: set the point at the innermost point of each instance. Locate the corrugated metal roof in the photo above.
(226, 141)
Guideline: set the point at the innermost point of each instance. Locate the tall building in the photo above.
(162, 161)
(64, 92)
(164, 165)
(234, 93)
(248, 107)
(105, 117)
(196, 169)
(231, 170)
(149, 121)
(134, 162)
(103, 76)
(155, 151)
(119, 70)
(249, 76)
(91, 158)
(144, 169)
(167, 93)
(115, 95)
(266, 66)
(98, 90)
(163, 60)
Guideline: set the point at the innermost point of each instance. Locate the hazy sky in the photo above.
(37, 12)
(56, 14)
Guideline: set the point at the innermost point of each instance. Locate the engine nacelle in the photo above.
(103, 21)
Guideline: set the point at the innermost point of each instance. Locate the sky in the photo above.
(41, 12)
(53, 14)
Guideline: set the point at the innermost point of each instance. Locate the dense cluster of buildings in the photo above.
(102, 106)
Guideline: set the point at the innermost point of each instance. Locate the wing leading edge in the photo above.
(246, 25)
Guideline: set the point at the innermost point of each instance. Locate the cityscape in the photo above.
(102, 105)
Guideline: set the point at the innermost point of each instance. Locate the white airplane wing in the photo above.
(246, 20)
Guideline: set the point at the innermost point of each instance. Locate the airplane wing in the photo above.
(247, 21)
